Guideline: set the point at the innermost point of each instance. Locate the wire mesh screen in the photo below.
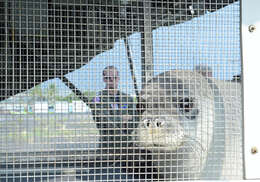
(120, 90)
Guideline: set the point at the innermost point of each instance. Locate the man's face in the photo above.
(111, 78)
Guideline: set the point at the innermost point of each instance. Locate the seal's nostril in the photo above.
(147, 123)
(158, 124)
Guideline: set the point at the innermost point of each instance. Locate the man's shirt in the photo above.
(107, 112)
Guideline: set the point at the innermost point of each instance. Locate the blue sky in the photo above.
(212, 39)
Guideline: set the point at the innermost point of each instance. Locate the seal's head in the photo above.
(178, 117)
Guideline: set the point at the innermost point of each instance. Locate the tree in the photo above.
(51, 93)
(36, 92)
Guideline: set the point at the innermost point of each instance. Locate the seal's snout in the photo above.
(153, 126)
(156, 123)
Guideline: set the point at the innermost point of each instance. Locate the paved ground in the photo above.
(43, 132)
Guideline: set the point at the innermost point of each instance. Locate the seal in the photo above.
(176, 125)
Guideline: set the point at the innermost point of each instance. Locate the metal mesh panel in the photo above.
(120, 90)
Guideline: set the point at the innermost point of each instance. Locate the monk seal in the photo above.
(176, 125)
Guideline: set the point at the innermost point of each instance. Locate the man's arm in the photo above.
(131, 119)
(96, 110)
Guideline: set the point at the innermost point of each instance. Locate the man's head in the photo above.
(111, 77)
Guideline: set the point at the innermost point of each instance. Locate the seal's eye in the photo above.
(186, 106)
(147, 122)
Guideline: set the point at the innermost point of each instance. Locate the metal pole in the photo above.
(131, 68)
(147, 45)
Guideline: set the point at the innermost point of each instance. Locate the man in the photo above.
(114, 114)
(116, 117)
